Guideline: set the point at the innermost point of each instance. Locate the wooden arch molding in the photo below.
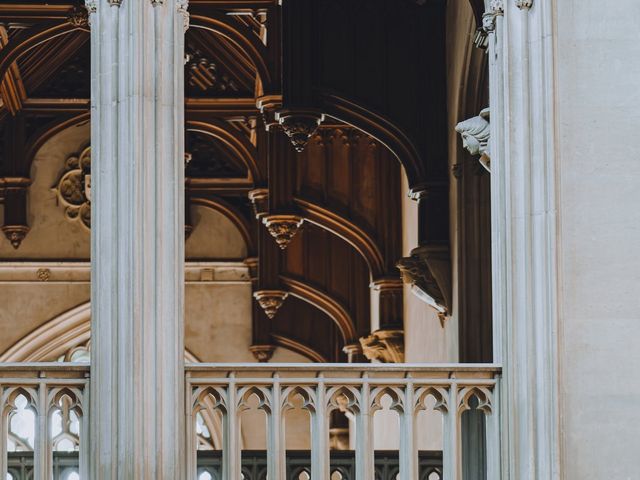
(40, 137)
(298, 347)
(342, 227)
(242, 37)
(235, 143)
(31, 38)
(381, 129)
(324, 302)
(238, 220)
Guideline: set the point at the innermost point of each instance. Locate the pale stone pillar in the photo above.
(523, 203)
(137, 132)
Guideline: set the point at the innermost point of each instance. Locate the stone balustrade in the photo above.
(45, 414)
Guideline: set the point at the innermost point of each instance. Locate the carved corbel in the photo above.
(299, 126)
(283, 227)
(386, 346)
(262, 353)
(353, 352)
(15, 226)
(270, 300)
(268, 105)
(79, 17)
(475, 133)
(428, 271)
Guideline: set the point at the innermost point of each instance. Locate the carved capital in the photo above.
(268, 105)
(91, 6)
(524, 4)
(283, 227)
(299, 126)
(428, 271)
(115, 3)
(475, 133)
(260, 200)
(15, 234)
(386, 346)
(183, 9)
(270, 300)
(262, 353)
(353, 351)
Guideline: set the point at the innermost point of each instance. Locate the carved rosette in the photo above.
(270, 300)
(262, 353)
(428, 271)
(15, 234)
(386, 346)
(283, 227)
(74, 188)
(299, 126)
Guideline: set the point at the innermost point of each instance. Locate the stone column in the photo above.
(137, 134)
(523, 204)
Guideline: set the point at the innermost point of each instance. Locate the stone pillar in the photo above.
(523, 204)
(137, 130)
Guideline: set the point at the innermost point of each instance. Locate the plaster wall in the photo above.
(598, 113)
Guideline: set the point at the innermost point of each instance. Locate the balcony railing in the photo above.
(44, 423)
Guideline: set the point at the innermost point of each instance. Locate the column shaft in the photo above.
(137, 130)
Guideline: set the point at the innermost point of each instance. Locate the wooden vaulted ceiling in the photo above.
(245, 60)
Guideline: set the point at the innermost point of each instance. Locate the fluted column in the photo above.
(523, 211)
(137, 130)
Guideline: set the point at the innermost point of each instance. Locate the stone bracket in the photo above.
(386, 346)
(283, 227)
(428, 271)
(299, 125)
(270, 300)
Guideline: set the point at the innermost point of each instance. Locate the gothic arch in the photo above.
(236, 144)
(31, 38)
(242, 37)
(57, 336)
(232, 214)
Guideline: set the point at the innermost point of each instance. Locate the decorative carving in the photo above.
(262, 353)
(206, 76)
(299, 126)
(15, 234)
(283, 227)
(43, 274)
(74, 188)
(260, 201)
(386, 346)
(428, 271)
(91, 6)
(79, 17)
(495, 10)
(475, 133)
(524, 4)
(270, 300)
(157, 2)
(183, 9)
(117, 3)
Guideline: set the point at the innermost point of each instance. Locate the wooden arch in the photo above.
(236, 144)
(31, 38)
(242, 37)
(324, 302)
(298, 347)
(345, 229)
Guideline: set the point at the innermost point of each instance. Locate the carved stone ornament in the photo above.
(183, 9)
(270, 300)
(428, 271)
(353, 351)
(15, 234)
(283, 227)
(475, 133)
(91, 6)
(79, 17)
(299, 126)
(262, 353)
(524, 4)
(386, 346)
(74, 188)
